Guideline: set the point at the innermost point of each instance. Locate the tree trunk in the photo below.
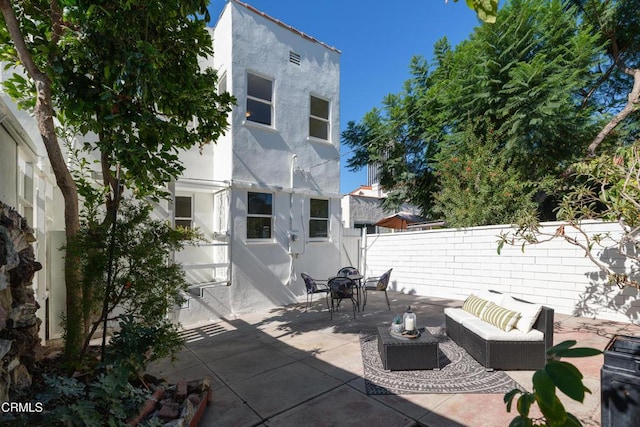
(44, 114)
(633, 101)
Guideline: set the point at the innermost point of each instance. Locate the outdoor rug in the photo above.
(458, 373)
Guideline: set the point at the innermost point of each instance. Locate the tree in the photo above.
(521, 77)
(617, 24)
(606, 186)
(126, 72)
(477, 184)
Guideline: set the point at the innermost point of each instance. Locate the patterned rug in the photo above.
(458, 373)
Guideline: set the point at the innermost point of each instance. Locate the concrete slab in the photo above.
(284, 388)
(343, 407)
(248, 364)
(228, 410)
(287, 367)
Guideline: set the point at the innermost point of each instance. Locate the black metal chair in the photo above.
(315, 287)
(353, 274)
(380, 283)
(347, 271)
(341, 288)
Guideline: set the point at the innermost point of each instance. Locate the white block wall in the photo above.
(451, 263)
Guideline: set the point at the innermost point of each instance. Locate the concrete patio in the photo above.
(288, 367)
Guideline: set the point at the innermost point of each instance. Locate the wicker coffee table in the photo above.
(403, 354)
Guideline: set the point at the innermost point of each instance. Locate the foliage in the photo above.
(607, 188)
(521, 77)
(144, 283)
(124, 77)
(139, 342)
(128, 72)
(556, 374)
(478, 185)
(109, 400)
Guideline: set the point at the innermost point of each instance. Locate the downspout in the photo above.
(291, 254)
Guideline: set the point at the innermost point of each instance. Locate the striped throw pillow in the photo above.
(500, 317)
(474, 305)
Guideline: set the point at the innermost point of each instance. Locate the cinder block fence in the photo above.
(451, 263)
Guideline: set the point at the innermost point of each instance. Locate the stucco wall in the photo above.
(453, 263)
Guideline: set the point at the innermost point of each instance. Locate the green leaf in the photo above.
(579, 352)
(555, 413)
(562, 346)
(567, 378)
(524, 404)
(544, 388)
(508, 398)
(520, 421)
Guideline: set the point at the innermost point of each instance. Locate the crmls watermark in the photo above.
(21, 407)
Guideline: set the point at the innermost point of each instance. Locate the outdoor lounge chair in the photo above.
(380, 283)
(341, 288)
(315, 287)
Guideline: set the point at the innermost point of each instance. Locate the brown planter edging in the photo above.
(205, 398)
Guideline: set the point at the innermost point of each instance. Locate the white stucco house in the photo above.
(266, 195)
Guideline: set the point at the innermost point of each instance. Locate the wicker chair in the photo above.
(341, 288)
(315, 287)
(380, 283)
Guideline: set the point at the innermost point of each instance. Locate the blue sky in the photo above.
(377, 39)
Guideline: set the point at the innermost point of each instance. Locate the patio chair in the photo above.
(347, 271)
(353, 274)
(380, 283)
(341, 288)
(315, 287)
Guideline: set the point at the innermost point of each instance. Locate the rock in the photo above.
(181, 391)
(24, 315)
(21, 380)
(5, 346)
(169, 411)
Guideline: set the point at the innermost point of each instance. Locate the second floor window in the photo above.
(319, 219)
(184, 211)
(259, 99)
(319, 118)
(259, 215)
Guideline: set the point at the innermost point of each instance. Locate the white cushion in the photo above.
(490, 296)
(458, 314)
(491, 333)
(528, 312)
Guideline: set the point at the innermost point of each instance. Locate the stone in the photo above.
(188, 411)
(5, 346)
(24, 315)
(169, 411)
(20, 347)
(21, 380)
(181, 390)
(3, 318)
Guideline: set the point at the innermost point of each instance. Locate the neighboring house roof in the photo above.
(282, 24)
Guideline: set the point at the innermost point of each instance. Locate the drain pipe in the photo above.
(292, 256)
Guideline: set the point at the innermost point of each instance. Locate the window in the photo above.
(183, 211)
(222, 84)
(259, 97)
(259, 215)
(319, 218)
(319, 118)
